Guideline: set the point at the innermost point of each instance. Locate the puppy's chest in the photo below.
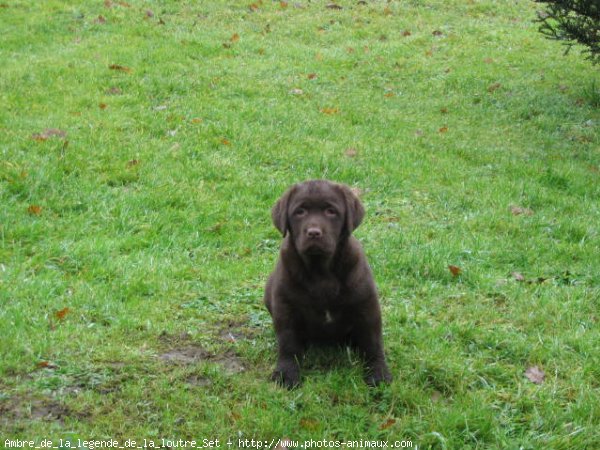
(324, 305)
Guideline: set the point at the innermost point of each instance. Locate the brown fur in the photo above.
(322, 288)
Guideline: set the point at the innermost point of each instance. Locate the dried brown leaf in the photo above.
(46, 365)
(330, 111)
(119, 68)
(60, 314)
(34, 210)
(388, 423)
(454, 270)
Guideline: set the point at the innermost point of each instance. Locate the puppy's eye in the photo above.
(300, 212)
(331, 212)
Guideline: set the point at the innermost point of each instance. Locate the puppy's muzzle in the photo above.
(314, 233)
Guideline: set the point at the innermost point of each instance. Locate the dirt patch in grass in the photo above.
(191, 354)
(199, 381)
(231, 363)
(26, 408)
(185, 355)
(234, 331)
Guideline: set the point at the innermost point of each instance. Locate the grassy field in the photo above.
(143, 143)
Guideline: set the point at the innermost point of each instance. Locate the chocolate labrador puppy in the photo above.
(322, 289)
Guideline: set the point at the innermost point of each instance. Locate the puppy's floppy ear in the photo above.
(279, 213)
(354, 209)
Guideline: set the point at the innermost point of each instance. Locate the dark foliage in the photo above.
(573, 21)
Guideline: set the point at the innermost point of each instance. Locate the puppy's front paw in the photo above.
(288, 377)
(378, 374)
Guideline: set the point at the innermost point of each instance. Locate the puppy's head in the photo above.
(318, 214)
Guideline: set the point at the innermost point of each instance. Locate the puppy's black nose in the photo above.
(314, 233)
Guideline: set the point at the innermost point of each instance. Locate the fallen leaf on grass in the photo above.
(46, 365)
(102, 105)
(388, 423)
(234, 38)
(443, 129)
(283, 5)
(119, 68)
(333, 6)
(133, 162)
(61, 314)
(406, 33)
(330, 111)
(454, 270)
(100, 19)
(196, 120)
(34, 210)
(311, 76)
(535, 375)
(225, 141)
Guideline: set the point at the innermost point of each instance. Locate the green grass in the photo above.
(150, 219)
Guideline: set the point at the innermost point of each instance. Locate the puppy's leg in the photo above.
(367, 338)
(287, 371)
